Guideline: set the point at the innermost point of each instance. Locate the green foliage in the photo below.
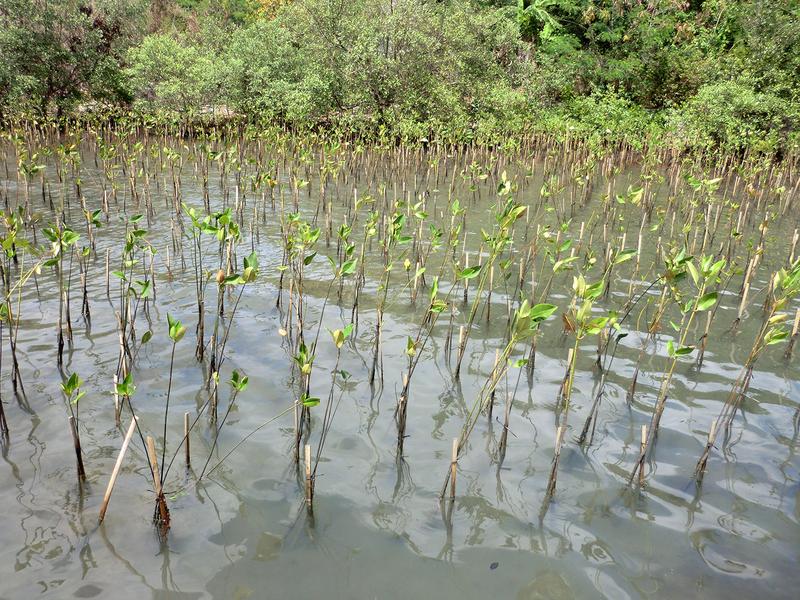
(57, 54)
(696, 75)
(168, 75)
(734, 116)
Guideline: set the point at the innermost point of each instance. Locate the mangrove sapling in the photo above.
(301, 238)
(709, 319)
(339, 337)
(238, 384)
(201, 224)
(249, 274)
(176, 332)
(614, 323)
(15, 249)
(28, 167)
(227, 232)
(62, 238)
(415, 346)
(703, 275)
(393, 236)
(507, 214)
(73, 394)
(134, 249)
(578, 320)
(786, 286)
(527, 319)
(83, 268)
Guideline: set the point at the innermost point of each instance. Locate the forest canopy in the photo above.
(696, 74)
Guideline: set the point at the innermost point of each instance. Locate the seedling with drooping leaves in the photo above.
(506, 215)
(703, 275)
(785, 288)
(527, 320)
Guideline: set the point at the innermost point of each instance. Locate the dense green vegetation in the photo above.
(697, 74)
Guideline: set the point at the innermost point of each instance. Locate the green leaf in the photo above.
(470, 272)
(624, 256)
(693, 272)
(349, 267)
(564, 263)
(706, 301)
(309, 402)
(540, 312)
(176, 329)
(776, 335)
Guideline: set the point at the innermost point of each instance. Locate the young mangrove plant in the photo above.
(703, 275)
(71, 389)
(527, 320)
(784, 288)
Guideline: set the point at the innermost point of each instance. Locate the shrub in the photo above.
(732, 116)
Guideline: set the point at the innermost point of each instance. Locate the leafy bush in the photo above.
(732, 116)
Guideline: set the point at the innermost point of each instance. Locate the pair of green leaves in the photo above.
(238, 382)
(72, 387)
(340, 335)
(176, 329)
(674, 352)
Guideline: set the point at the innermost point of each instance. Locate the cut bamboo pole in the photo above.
(162, 511)
(793, 337)
(642, 448)
(115, 471)
(551, 486)
(153, 457)
(453, 470)
(309, 483)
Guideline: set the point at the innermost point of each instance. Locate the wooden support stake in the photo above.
(151, 454)
(309, 483)
(115, 472)
(453, 465)
(642, 448)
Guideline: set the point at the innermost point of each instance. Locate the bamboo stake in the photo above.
(551, 486)
(115, 471)
(309, 482)
(151, 454)
(453, 465)
(642, 448)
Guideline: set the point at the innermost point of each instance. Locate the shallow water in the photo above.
(378, 529)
